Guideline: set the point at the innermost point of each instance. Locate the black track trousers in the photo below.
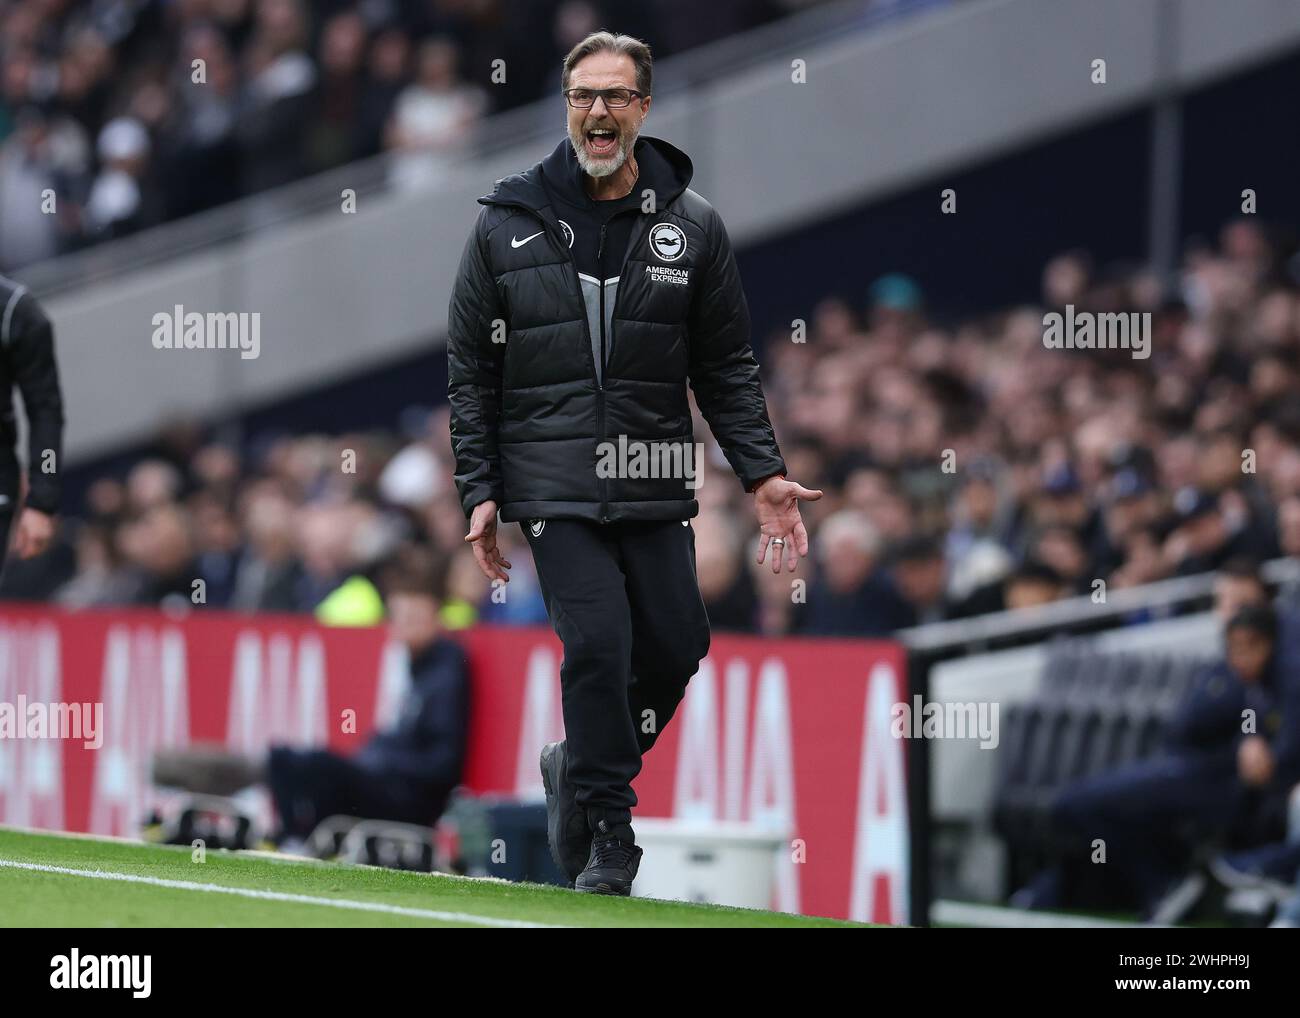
(624, 600)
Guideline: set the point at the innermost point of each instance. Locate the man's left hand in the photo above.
(776, 503)
(34, 534)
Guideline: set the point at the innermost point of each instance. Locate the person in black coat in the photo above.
(27, 363)
(595, 291)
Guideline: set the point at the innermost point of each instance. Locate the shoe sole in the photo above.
(605, 889)
(554, 821)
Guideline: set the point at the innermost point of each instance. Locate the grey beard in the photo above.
(602, 167)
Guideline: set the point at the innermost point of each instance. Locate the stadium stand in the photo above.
(93, 100)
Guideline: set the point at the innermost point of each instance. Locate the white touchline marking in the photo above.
(302, 899)
(996, 916)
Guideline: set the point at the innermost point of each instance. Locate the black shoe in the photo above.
(566, 825)
(613, 863)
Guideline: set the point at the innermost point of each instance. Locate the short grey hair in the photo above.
(608, 42)
(851, 525)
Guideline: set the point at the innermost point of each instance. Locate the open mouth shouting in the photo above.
(601, 142)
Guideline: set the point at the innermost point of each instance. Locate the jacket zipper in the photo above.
(600, 372)
(622, 271)
(596, 374)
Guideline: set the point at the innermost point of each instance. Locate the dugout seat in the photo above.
(1095, 711)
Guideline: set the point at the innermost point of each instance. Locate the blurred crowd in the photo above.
(120, 114)
(982, 471)
(967, 469)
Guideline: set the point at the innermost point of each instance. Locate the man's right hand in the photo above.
(483, 536)
(1255, 761)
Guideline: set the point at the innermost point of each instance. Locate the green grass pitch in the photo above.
(55, 880)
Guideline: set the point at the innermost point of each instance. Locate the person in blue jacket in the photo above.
(1226, 748)
(405, 772)
(1275, 859)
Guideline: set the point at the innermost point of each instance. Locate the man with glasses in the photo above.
(594, 287)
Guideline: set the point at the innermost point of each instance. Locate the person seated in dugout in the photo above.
(1271, 856)
(1230, 750)
(404, 773)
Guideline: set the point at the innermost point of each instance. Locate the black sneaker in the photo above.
(614, 861)
(566, 825)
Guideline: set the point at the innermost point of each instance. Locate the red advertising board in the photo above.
(789, 733)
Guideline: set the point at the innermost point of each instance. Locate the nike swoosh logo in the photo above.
(516, 242)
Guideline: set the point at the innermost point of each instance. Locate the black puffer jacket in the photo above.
(528, 415)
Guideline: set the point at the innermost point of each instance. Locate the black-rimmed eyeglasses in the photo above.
(615, 98)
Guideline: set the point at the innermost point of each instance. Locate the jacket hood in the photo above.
(664, 168)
